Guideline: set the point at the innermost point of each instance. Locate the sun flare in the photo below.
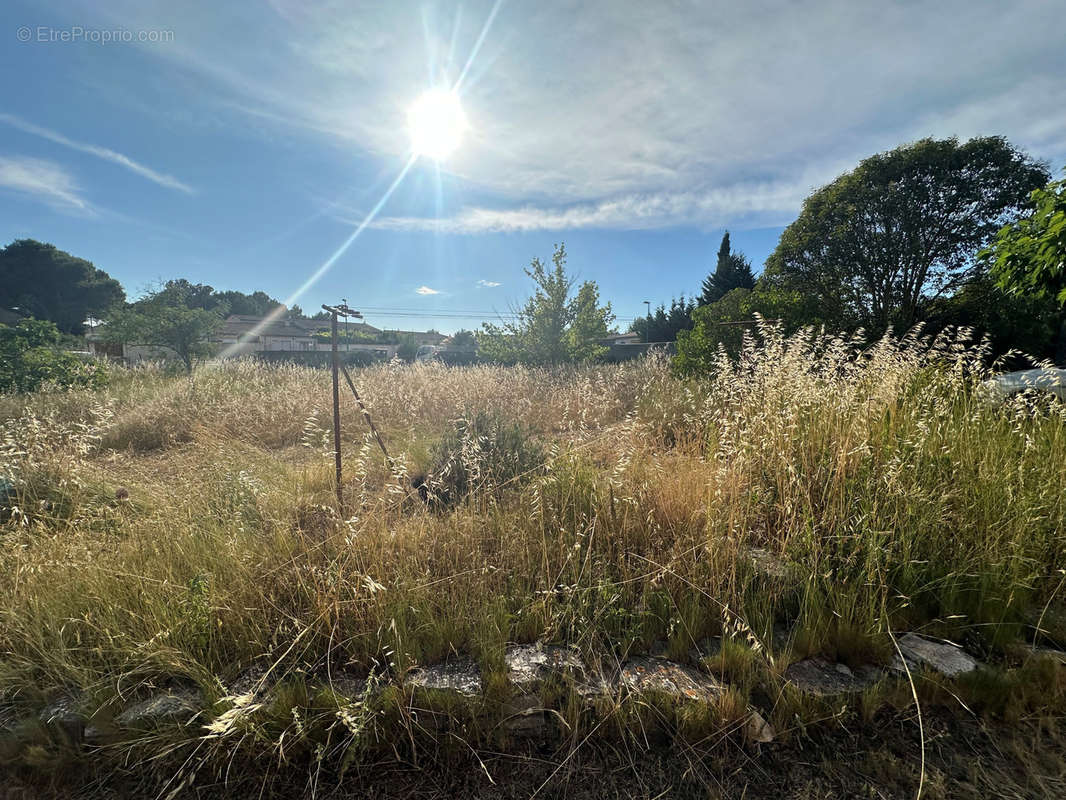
(437, 124)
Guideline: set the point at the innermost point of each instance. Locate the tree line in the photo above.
(938, 233)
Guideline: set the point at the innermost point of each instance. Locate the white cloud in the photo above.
(45, 180)
(602, 113)
(743, 204)
(100, 152)
(426, 290)
(484, 284)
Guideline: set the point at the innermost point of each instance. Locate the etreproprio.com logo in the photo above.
(47, 34)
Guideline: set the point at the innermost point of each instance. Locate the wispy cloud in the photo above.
(426, 290)
(104, 153)
(44, 180)
(484, 284)
(755, 203)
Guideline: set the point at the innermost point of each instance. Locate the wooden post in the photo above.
(334, 312)
(336, 407)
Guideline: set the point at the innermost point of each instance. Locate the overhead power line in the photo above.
(452, 313)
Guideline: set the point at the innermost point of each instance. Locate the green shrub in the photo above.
(482, 453)
(30, 358)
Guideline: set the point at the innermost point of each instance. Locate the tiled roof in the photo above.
(242, 324)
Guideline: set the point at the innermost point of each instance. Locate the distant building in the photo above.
(244, 335)
(256, 335)
(620, 338)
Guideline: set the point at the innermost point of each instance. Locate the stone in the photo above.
(757, 729)
(96, 736)
(253, 681)
(524, 716)
(529, 664)
(643, 674)
(594, 686)
(462, 677)
(816, 676)
(176, 707)
(947, 659)
(62, 716)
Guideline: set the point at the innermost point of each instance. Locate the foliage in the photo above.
(171, 318)
(665, 325)
(481, 453)
(31, 357)
(463, 339)
(588, 324)
(1020, 322)
(1029, 255)
(204, 297)
(901, 229)
(50, 284)
(732, 271)
(550, 328)
(715, 332)
(719, 328)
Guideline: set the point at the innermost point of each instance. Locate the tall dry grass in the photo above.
(882, 490)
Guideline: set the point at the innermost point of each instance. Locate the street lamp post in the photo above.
(647, 328)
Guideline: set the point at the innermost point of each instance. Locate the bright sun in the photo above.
(436, 123)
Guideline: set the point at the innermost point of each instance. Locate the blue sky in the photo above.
(240, 144)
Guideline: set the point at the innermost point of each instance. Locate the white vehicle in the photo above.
(1052, 381)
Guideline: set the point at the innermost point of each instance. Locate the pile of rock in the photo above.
(530, 668)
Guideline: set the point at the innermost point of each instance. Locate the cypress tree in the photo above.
(732, 271)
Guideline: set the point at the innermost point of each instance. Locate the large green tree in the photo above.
(551, 328)
(256, 304)
(463, 339)
(47, 283)
(169, 318)
(876, 245)
(203, 296)
(732, 270)
(1028, 256)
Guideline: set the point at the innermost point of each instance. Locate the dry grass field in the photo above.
(813, 498)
